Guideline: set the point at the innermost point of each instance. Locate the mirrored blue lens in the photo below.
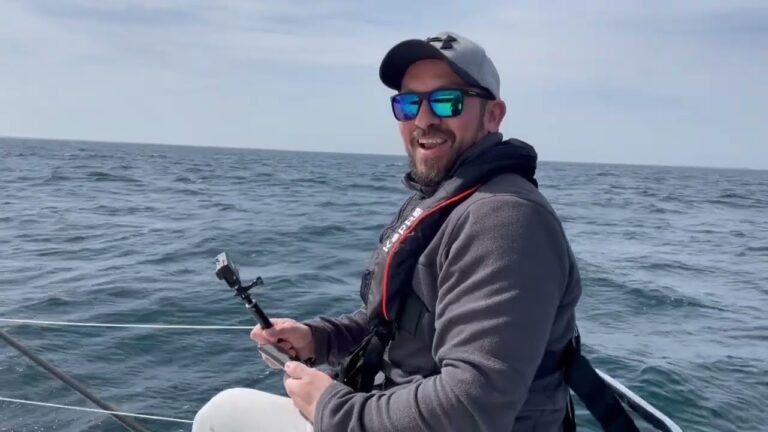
(406, 106)
(446, 103)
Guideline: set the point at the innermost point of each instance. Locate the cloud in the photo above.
(645, 82)
(657, 83)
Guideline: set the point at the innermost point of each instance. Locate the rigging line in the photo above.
(127, 422)
(144, 416)
(153, 326)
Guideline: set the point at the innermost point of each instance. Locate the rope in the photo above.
(155, 326)
(149, 417)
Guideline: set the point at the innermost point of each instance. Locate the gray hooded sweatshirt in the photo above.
(500, 284)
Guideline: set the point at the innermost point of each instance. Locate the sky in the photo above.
(639, 82)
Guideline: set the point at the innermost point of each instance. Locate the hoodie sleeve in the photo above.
(504, 271)
(334, 338)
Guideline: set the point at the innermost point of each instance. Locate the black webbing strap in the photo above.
(373, 359)
(597, 396)
(350, 370)
(360, 368)
(569, 422)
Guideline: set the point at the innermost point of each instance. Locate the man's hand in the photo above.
(295, 338)
(305, 385)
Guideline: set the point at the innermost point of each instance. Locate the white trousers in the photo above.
(249, 410)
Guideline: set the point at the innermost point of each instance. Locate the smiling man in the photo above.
(469, 299)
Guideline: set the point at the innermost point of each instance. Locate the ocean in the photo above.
(674, 263)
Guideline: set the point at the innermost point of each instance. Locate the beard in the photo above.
(430, 171)
(429, 175)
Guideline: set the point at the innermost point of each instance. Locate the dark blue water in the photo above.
(674, 261)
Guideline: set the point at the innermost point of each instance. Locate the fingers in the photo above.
(258, 336)
(305, 386)
(262, 336)
(296, 370)
(292, 387)
(293, 383)
(281, 326)
(272, 334)
(287, 347)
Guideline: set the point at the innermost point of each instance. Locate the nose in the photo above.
(425, 118)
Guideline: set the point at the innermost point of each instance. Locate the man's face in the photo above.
(433, 144)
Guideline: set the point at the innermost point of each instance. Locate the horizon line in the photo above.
(235, 147)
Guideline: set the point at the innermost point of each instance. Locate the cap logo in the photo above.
(446, 41)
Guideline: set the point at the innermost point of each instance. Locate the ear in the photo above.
(494, 114)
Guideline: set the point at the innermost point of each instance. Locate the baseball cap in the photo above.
(467, 59)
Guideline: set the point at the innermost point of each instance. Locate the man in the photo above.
(471, 292)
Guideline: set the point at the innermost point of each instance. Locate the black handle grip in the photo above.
(260, 316)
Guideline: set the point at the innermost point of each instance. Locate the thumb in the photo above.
(295, 369)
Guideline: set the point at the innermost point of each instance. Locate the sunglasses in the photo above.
(444, 103)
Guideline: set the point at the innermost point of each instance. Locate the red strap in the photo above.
(400, 240)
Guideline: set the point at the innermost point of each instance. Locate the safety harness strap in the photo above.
(600, 400)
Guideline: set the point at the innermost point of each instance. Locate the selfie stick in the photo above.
(226, 270)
